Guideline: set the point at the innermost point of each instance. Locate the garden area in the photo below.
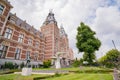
(75, 73)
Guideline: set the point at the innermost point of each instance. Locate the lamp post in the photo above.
(114, 44)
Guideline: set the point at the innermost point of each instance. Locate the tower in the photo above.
(51, 33)
(64, 44)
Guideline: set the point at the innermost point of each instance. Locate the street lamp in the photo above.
(114, 44)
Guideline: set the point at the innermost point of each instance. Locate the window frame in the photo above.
(27, 54)
(30, 41)
(3, 51)
(2, 10)
(20, 38)
(35, 56)
(17, 53)
(8, 33)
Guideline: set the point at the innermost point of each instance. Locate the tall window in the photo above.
(17, 54)
(27, 55)
(8, 33)
(30, 41)
(1, 8)
(20, 38)
(35, 56)
(3, 50)
(37, 44)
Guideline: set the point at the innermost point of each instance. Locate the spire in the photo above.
(50, 11)
(62, 31)
(50, 18)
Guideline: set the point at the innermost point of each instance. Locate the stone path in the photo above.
(50, 72)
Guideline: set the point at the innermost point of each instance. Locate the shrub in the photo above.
(33, 66)
(40, 65)
(9, 65)
(47, 64)
(22, 65)
(16, 66)
(77, 63)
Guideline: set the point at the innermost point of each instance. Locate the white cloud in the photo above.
(102, 18)
(107, 26)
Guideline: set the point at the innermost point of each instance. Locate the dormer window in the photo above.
(1, 9)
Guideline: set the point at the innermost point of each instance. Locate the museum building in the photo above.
(19, 40)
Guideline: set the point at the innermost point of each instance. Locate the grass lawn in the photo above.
(72, 68)
(80, 69)
(80, 73)
(85, 76)
(19, 77)
(71, 76)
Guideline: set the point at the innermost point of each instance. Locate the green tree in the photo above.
(87, 42)
(111, 59)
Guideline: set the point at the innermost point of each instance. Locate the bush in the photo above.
(22, 65)
(96, 64)
(8, 65)
(34, 66)
(40, 65)
(77, 63)
(16, 66)
(47, 64)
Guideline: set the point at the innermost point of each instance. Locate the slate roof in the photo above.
(20, 23)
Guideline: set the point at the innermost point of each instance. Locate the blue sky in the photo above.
(103, 16)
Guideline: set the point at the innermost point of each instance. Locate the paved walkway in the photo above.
(50, 72)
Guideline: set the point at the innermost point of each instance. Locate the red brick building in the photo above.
(19, 40)
(56, 40)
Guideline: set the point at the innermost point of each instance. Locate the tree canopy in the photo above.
(111, 59)
(87, 42)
